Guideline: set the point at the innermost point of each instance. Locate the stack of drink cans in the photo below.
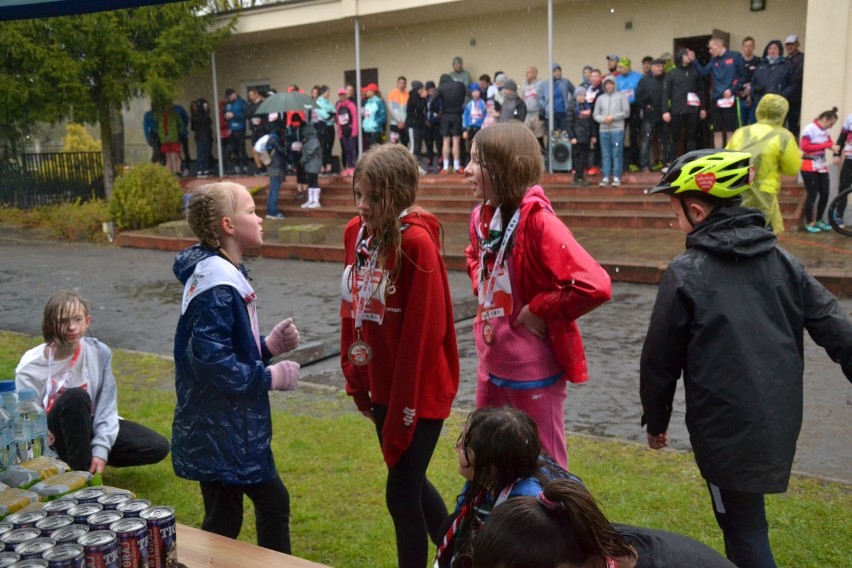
(91, 528)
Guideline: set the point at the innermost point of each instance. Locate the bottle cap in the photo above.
(7, 386)
(25, 395)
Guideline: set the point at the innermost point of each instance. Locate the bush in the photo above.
(77, 221)
(144, 197)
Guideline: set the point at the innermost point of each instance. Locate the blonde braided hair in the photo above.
(208, 204)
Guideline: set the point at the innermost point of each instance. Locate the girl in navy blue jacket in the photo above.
(222, 428)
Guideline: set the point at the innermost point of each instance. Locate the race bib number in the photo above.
(501, 302)
(374, 307)
(343, 119)
(296, 146)
(315, 117)
(725, 102)
(475, 113)
(256, 121)
(693, 100)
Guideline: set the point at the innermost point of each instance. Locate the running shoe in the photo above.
(823, 226)
(604, 182)
(812, 228)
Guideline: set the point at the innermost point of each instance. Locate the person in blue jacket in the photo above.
(222, 427)
(729, 74)
(627, 82)
(149, 126)
(472, 119)
(235, 114)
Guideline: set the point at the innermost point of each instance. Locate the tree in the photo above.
(84, 68)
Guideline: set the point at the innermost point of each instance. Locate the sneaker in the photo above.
(307, 205)
(812, 228)
(823, 226)
(657, 167)
(616, 182)
(444, 172)
(633, 168)
(202, 174)
(184, 173)
(421, 170)
(300, 195)
(261, 171)
(664, 170)
(275, 216)
(582, 182)
(604, 182)
(314, 205)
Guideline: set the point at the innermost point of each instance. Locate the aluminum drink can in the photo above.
(132, 507)
(133, 539)
(162, 536)
(25, 519)
(30, 563)
(49, 524)
(89, 494)
(8, 558)
(111, 500)
(17, 536)
(59, 506)
(100, 548)
(70, 534)
(35, 548)
(101, 520)
(82, 512)
(66, 556)
(5, 527)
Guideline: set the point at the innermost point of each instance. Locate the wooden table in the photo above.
(197, 548)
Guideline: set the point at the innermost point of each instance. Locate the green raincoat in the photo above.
(774, 151)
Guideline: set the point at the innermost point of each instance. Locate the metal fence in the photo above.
(40, 179)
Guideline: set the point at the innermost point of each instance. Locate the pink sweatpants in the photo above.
(544, 405)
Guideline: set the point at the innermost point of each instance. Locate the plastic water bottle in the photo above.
(30, 422)
(8, 403)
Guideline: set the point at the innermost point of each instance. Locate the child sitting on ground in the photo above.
(72, 377)
(500, 456)
(730, 315)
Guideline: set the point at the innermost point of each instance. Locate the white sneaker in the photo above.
(616, 182)
(604, 182)
(307, 205)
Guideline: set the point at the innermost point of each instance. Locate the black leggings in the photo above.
(223, 511)
(416, 507)
(817, 185)
(845, 183)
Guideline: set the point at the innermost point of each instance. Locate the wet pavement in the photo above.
(135, 304)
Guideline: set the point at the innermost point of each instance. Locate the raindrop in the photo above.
(572, 281)
(646, 191)
(616, 269)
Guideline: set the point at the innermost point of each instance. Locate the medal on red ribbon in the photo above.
(360, 353)
(487, 333)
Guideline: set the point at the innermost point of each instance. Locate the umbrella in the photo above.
(285, 102)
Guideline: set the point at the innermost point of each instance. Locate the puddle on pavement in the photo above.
(167, 292)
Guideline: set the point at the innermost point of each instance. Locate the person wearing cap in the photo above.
(612, 64)
(649, 100)
(730, 317)
(415, 119)
(513, 107)
(346, 116)
(797, 59)
(647, 61)
(459, 74)
(728, 70)
(397, 109)
(627, 81)
(452, 94)
(235, 114)
(611, 110)
(473, 118)
(374, 116)
(563, 92)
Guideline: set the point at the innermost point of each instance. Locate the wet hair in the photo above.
(505, 447)
(828, 114)
(57, 311)
(562, 525)
(393, 174)
(208, 204)
(512, 157)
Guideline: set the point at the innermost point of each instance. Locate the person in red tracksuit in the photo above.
(533, 282)
(398, 343)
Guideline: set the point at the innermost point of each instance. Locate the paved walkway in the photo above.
(135, 301)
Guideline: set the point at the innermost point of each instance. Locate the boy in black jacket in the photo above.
(730, 315)
(583, 132)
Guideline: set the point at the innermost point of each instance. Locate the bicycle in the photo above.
(839, 215)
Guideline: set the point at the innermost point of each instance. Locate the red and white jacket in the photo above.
(814, 142)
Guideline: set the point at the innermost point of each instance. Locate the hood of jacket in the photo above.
(780, 46)
(733, 232)
(678, 60)
(772, 109)
(186, 260)
(308, 131)
(426, 221)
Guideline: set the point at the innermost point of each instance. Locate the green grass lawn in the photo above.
(328, 457)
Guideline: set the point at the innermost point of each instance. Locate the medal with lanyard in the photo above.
(489, 284)
(360, 353)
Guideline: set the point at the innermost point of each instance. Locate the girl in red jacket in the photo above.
(816, 139)
(533, 281)
(398, 342)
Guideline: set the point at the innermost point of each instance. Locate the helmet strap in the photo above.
(686, 213)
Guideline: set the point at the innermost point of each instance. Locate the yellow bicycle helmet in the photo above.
(718, 173)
